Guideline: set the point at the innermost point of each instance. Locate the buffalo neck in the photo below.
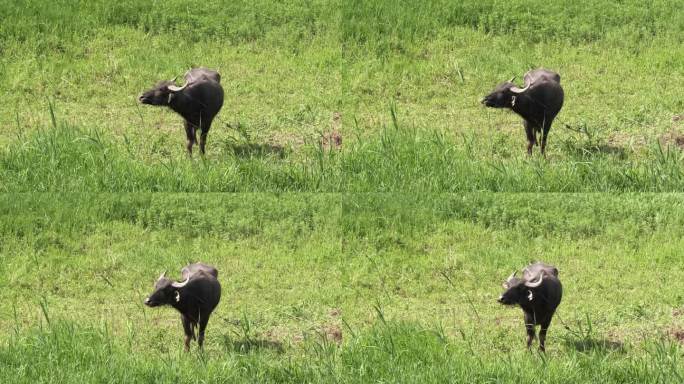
(182, 105)
(527, 108)
(185, 306)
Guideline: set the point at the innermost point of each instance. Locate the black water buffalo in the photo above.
(195, 298)
(197, 101)
(538, 293)
(538, 103)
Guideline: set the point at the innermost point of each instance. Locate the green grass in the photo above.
(379, 261)
(295, 71)
(398, 159)
(340, 287)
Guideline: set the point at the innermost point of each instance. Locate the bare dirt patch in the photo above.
(677, 334)
(332, 333)
(672, 138)
(284, 139)
(331, 140)
(622, 140)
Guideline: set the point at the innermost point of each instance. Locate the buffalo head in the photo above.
(503, 96)
(519, 290)
(160, 94)
(166, 291)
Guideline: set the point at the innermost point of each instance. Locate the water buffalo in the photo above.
(195, 298)
(197, 101)
(538, 103)
(538, 293)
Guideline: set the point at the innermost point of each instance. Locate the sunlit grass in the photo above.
(375, 260)
(341, 287)
(400, 83)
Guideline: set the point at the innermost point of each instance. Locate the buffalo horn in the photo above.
(180, 285)
(174, 88)
(536, 283)
(520, 90)
(507, 283)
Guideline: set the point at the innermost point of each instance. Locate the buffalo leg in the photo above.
(203, 136)
(531, 136)
(545, 134)
(203, 141)
(542, 335)
(191, 136)
(202, 326)
(543, 143)
(529, 327)
(189, 332)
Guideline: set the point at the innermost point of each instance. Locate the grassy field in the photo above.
(341, 288)
(398, 81)
(378, 260)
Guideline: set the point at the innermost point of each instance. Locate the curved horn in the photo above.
(506, 283)
(162, 275)
(174, 88)
(180, 285)
(536, 283)
(512, 79)
(515, 89)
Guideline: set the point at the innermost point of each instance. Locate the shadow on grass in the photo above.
(608, 149)
(252, 345)
(594, 345)
(594, 150)
(249, 150)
